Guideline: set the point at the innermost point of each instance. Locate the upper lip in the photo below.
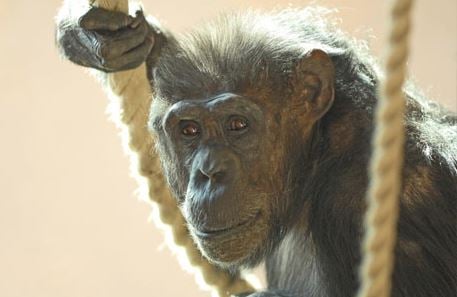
(225, 231)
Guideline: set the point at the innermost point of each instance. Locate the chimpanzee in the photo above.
(264, 124)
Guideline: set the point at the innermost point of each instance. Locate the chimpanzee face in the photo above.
(233, 156)
(224, 163)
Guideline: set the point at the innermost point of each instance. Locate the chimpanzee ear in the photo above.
(313, 83)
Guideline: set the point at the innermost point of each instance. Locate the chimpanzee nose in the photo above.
(215, 165)
(214, 173)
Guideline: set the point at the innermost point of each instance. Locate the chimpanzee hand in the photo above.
(106, 40)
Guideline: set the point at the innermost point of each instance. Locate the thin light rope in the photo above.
(387, 163)
(131, 92)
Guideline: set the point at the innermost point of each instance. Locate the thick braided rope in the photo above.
(131, 92)
(387, 163)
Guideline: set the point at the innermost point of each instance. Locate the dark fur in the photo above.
(314, 226)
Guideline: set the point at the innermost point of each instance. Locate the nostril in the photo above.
(217, 176)
(203, 175)
(212, 176)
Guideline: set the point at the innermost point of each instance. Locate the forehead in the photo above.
(223, 57)
(186, 80)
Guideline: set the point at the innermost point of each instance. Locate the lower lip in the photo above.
(230, 231)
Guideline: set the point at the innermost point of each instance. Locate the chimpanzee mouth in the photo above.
(228, 231)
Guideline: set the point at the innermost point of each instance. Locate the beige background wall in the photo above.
(70, 225)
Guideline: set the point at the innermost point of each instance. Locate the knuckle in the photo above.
(86, 20)
(109, 65)
(113, 64)
(97, 48)
(102, 49)
(100, 54)
(82, 21)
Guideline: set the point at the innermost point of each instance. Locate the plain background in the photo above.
(70, 223)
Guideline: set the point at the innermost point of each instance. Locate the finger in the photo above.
(131, 59)
(125, 41)
(76, 41)
(101, 19)
(138, 19)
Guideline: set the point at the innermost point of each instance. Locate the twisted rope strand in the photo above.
(387, 163)
(131, 95)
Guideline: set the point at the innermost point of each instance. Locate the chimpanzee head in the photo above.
(235, 105)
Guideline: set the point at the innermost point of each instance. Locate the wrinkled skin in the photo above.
(108, 41)
(275, 169)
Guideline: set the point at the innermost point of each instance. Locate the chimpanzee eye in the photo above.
(237, 124)
(189, 128)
